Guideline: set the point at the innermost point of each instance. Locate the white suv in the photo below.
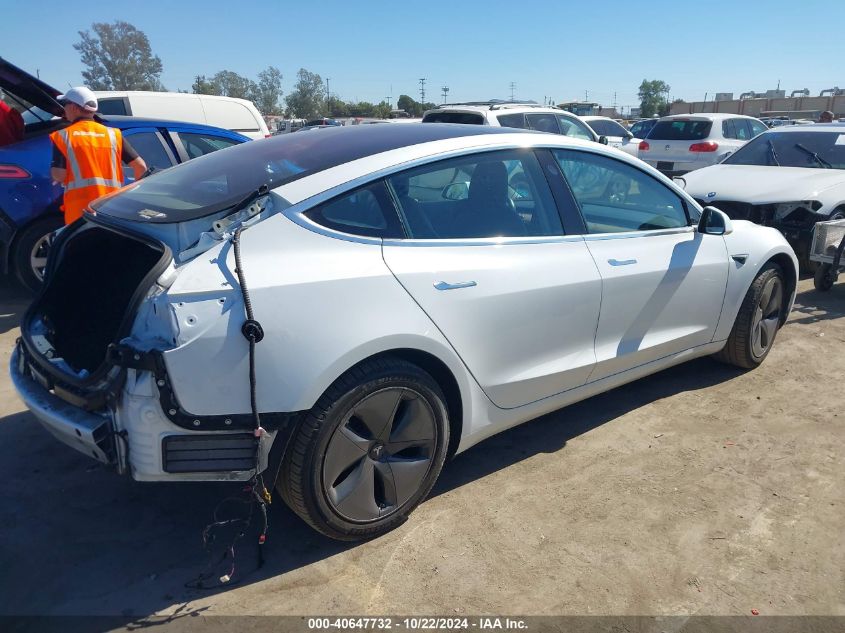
(526, 116)
(684, 142)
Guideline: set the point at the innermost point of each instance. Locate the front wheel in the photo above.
(758, 320)
(368, 452)
(823, 278)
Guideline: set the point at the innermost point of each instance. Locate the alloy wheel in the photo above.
(379, 455)
(766, 317)
(38, 255)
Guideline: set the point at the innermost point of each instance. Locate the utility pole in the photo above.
(422, 90)
(328, 97)
(445, 92)
(513, 85)
(585, 97)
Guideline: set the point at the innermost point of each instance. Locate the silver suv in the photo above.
(526, 116)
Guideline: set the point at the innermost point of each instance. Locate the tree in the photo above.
(653, 97)
(118, 57)
(306, 100)
(412, 107)
(269, 91)
(406, 103)
(203, 86)
(231, 84)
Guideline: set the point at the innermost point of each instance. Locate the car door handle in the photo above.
(621, 262)
(444, 285)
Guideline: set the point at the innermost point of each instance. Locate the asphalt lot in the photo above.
(700, 490)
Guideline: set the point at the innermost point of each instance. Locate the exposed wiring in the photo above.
(257, 494)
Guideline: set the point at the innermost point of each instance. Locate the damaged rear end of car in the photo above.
(92, 359)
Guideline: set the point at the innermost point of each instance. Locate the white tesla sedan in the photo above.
(348, 309)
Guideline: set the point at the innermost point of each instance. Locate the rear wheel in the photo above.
(29, 255)
(368, 452)
(758, 320)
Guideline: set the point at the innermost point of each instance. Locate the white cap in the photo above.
(81, 96)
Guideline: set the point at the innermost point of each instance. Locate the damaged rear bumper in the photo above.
(89, 433)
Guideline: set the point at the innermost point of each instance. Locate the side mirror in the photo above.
(715, 222)
(629, 135)
(603, 139)
(456, 191)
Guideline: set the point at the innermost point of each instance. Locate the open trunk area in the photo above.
(92, 293)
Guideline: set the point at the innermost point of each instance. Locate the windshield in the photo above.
(820, 150)
(680, 130)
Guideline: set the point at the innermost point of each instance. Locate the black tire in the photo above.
(367, 497)
(823, 280)
(28, 245)
(744, 348)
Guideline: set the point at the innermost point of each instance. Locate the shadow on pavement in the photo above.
(105, 544)
(815, 306)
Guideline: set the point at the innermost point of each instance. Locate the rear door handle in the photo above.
(621, 262)
(443, 285)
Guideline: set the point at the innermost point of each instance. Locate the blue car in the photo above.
(30, 201)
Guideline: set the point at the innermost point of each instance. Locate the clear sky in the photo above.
(372, 49)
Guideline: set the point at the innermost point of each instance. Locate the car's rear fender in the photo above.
(325, 305)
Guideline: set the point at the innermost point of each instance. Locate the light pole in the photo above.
(328, 98)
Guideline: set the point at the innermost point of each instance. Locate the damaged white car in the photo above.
(400, 294)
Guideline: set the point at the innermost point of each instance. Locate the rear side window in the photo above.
(513, 120)
(367, 211)
(543, 122)
(151, 149)
(736, 128)
(200, 144)
(115, 105)
(495, 194)
(680, 130)
(454, 117)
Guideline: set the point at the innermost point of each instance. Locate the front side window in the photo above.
(616, 197)
(197, 145)
(573, 127)
(367, 211)
(608, 128)
(496, 194)
(757, 127)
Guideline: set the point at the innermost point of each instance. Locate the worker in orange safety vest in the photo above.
(87, 155)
